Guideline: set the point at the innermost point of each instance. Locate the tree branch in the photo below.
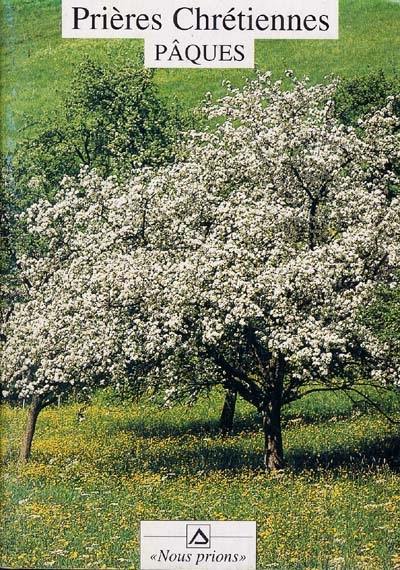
(352, 389)
(237, 379)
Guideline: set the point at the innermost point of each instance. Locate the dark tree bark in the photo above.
(33, 413)
(271, 413)
(266, 393)
(228, 412)
(273, 447)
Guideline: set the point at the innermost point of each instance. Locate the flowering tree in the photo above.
(284, 222)
(67, 332)
(247, 264)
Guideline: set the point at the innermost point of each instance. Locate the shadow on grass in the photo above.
(249, 422)
(200, 427)
(303, 412)
(360, 457)
(229, 455)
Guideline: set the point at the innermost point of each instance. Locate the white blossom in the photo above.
(263, 244)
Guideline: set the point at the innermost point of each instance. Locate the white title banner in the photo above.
(210, 33)
(210, 545)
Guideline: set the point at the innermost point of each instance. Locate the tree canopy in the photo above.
(247, 264)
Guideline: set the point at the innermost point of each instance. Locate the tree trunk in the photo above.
(33, 413)
(228, 412)
(273, 450)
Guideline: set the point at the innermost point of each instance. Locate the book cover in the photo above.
(200, 261)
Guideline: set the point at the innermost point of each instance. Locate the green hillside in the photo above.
(37, 64)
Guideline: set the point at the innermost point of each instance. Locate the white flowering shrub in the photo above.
(247, 265)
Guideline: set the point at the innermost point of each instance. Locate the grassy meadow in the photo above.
(79, 501)
(37, 64)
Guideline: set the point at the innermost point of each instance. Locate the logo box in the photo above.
(204, 545)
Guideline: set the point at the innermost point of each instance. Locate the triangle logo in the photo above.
(199, 538)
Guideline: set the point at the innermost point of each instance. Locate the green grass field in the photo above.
(79, 502)
(37, 64)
